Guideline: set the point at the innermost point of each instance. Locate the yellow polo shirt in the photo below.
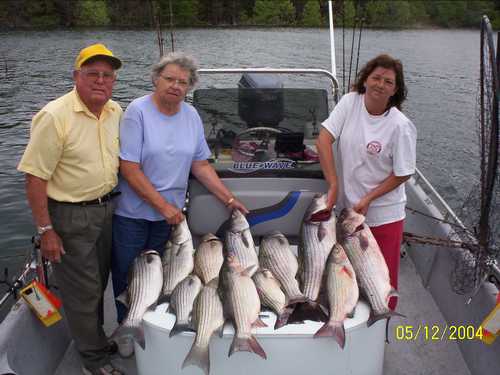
(73, 150)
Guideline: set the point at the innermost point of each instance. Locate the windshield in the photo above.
(238, 109)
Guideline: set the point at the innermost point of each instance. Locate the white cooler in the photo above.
(290, 349)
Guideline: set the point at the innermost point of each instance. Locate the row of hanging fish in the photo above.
(231, 280)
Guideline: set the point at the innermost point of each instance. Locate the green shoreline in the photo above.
(378, 14)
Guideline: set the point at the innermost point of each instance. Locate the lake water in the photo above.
(441, 71)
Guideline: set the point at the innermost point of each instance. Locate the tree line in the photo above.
(15, 14)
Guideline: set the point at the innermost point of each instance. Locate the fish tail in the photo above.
(198, 356)
(248, 344)
(296, 299)
(373, 318)
(179, 327)
(333, 329)
(282, 319)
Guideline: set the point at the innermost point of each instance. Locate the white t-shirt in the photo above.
(369, 148)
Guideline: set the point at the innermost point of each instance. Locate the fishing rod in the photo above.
(35, 267)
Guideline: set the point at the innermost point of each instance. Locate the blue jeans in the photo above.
(130, 238)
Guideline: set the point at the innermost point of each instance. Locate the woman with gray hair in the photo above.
(162, 140)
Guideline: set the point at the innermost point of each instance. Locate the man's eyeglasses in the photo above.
(172, 81)
(94, 75)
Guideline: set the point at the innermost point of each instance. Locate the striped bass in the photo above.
(316, 242)
(276, 256)
(208, 316)
(182, 301)
(144, 288)
(242, 304)
(272, 296)
(368, 263)
(239, 242)
(208, 258)
(178, 261)
(343, 293)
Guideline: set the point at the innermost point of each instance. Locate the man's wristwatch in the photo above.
(45, 228)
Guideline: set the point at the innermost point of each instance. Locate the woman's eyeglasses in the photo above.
(172, 81)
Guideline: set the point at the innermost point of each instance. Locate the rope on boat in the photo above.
(413, 210)
(437, 241)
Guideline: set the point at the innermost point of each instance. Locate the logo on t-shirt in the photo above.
(374, 147)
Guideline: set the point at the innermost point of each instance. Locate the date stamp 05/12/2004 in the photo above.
(436, 332)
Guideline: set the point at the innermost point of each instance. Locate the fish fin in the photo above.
(249, 344)
(282, 319)
(267, 274)
(178, 328)
(373, 318)
(123, 299)
(321, 232)
(245, 240)
(333, 329)
(324, 310)
(221, 329)
(250, 270)
(198, 356)
(152, 307)
(259, 323)
(214, 283)
(295, 300)
(351, 314)
(364, 242)
(170, 308)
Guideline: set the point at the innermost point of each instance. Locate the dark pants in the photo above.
(83, 273)
(130, 238)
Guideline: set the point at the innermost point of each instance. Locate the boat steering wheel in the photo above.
(257, 148)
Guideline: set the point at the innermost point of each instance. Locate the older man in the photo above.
(71, 165)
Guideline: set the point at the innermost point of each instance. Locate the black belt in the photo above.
(105, 198)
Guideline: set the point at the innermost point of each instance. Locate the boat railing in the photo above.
(323, 72)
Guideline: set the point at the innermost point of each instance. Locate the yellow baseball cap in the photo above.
(96, 50)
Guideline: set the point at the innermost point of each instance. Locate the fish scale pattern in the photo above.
(275, 255)
(178, 263)
(244, 301)
(316, 243)
(183, 298)
(208, 258)
(269, 291)
(147, 269)
(342, 288)
(241, 245)
(207, 314)
(366, 264)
